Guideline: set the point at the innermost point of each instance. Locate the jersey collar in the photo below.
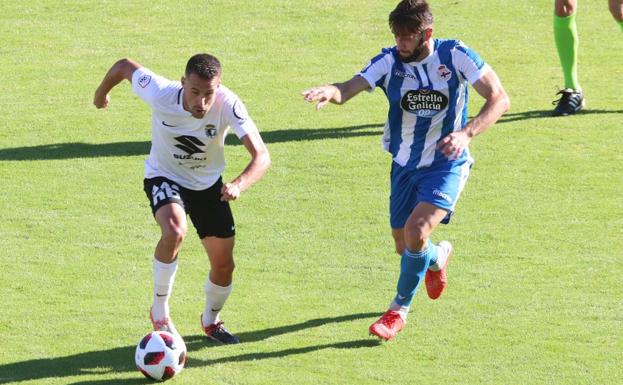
(180, 101)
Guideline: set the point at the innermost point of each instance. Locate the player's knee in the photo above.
(617, 12)
(564, 8)
(416, 237)
(223, 268)
(174, 233)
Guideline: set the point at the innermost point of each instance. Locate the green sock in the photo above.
(566, 37)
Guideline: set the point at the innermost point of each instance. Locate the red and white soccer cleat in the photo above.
(388, 325)
(164, 325)
(217, 332)
(436, 281)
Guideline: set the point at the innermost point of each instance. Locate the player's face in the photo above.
(199, 94)
(410, 45)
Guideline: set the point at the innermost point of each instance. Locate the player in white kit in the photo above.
(190, 120)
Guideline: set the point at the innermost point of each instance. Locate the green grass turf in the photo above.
(535, 285)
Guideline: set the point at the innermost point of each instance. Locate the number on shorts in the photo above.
(164, 191)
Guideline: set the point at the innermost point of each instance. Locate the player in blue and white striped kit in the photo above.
(427, 133)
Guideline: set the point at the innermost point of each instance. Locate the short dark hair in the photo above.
(410, 16)
(204, 65)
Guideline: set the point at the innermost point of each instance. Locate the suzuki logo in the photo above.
(189, 144)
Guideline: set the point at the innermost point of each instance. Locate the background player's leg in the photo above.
(571, 98)
(566, 38)
(616, 9)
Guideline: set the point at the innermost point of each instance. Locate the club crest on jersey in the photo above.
(210, 130)
(144, 80)
(444, 72)
(424, 103)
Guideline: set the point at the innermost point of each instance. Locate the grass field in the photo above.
(535, 293)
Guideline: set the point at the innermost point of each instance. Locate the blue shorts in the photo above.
(440, 185)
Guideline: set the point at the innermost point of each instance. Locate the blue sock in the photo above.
(413, 266)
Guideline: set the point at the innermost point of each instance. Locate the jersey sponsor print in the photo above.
(183, 148)
(427, 99)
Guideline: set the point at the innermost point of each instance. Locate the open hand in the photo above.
(322, 94)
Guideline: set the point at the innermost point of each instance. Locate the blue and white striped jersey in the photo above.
(427, 99)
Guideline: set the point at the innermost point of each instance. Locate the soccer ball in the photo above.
(160, 355)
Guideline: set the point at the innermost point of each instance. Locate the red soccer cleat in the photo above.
(436, 281)
(388, 325)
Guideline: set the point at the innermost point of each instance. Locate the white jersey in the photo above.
(184, 149)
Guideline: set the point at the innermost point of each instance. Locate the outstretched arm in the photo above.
(337, 93)
(496, 104)
(123, 69)
(255, 170)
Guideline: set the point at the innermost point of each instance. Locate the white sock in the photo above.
(403, 310)
(442, 257)
(164, 276)
(215, 299)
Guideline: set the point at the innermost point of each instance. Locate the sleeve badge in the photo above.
(144, 80)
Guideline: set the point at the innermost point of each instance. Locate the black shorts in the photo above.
(209, 215)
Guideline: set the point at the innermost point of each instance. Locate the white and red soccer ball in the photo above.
(160, 355)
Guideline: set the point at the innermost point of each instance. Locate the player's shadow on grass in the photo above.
(538, 114)
(119, 360)
(89, 150)
(258, 335)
